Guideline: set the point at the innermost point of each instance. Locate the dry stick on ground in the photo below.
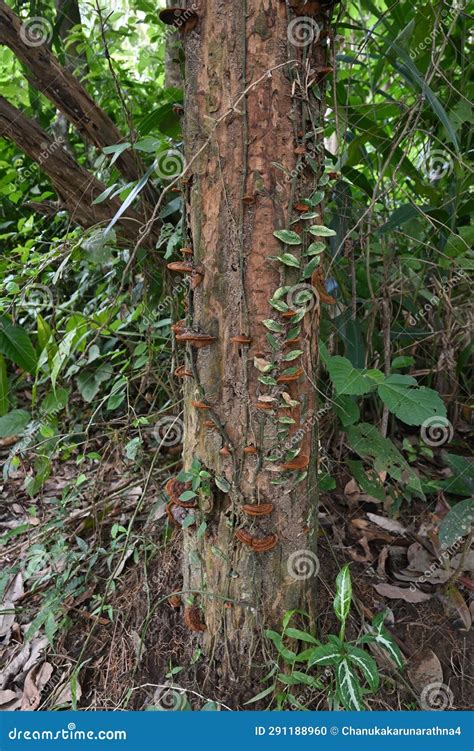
(68, 95)
(75, 186)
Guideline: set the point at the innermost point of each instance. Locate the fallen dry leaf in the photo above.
(389, 524)
(65, 694)
(9, 700)
(393, 592)
(425, 669)
(35, 681)
(456, 608)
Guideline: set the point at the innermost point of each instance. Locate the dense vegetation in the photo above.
(91, 414)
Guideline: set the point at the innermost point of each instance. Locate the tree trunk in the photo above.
(237, 198)
(67, 93)
(76, 188)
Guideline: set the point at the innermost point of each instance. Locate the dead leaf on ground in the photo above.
(367, 558)
(35, 681)
(425, 669)
(389, 524)
(456, 608)
(393, 592)
(9, 700)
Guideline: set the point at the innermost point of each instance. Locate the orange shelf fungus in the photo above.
(182, 267)
(224, 451)
(241, 339)
(262, 509)
(187, 251)
(299, 462)
(192, 618)
(174, 488)
(200, 405)
(195, 339)
(181, 372)
(258, 544)
(290, 378)
(250, 450)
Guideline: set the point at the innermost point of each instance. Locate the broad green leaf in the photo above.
(346, 409)
(457, 523)
(409, 402)
(319, 230)
(366, 440)
(366, 665)
(288, 237)
(272, 325)
(261, 695)
(343, 598)
(16, 345)
(327, 654)
(370, 485)
(222, 483)
(292, 355)
(289, 260)
(310, 267)
(348, 687)
(315, 249)
(295, 633)
(14, 423)
(345, 378)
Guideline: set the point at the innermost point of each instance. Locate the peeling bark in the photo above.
(237, 198)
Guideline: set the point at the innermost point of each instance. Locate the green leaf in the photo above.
(272, 325)
(16, 345)
(370, 485)
(457, 523)
(346, 409)
(315, 249)
(261, 695)
(348, 687)
(289, 260)
(292, 355)
(222, 483)
(343, 598)
(287, 654)
(310, 267)
(345, 378)
(188, 495)
(319, 230)
(295, 633)
(327, 654)
(14, 423)
(409, 402)
(366, 665)
(385, 457)
(288, 237)
(4, 387)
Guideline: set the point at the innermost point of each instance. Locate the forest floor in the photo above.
(98, 554)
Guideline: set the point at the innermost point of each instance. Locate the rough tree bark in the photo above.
(68, 95)
(75, 186)
(237, 197)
